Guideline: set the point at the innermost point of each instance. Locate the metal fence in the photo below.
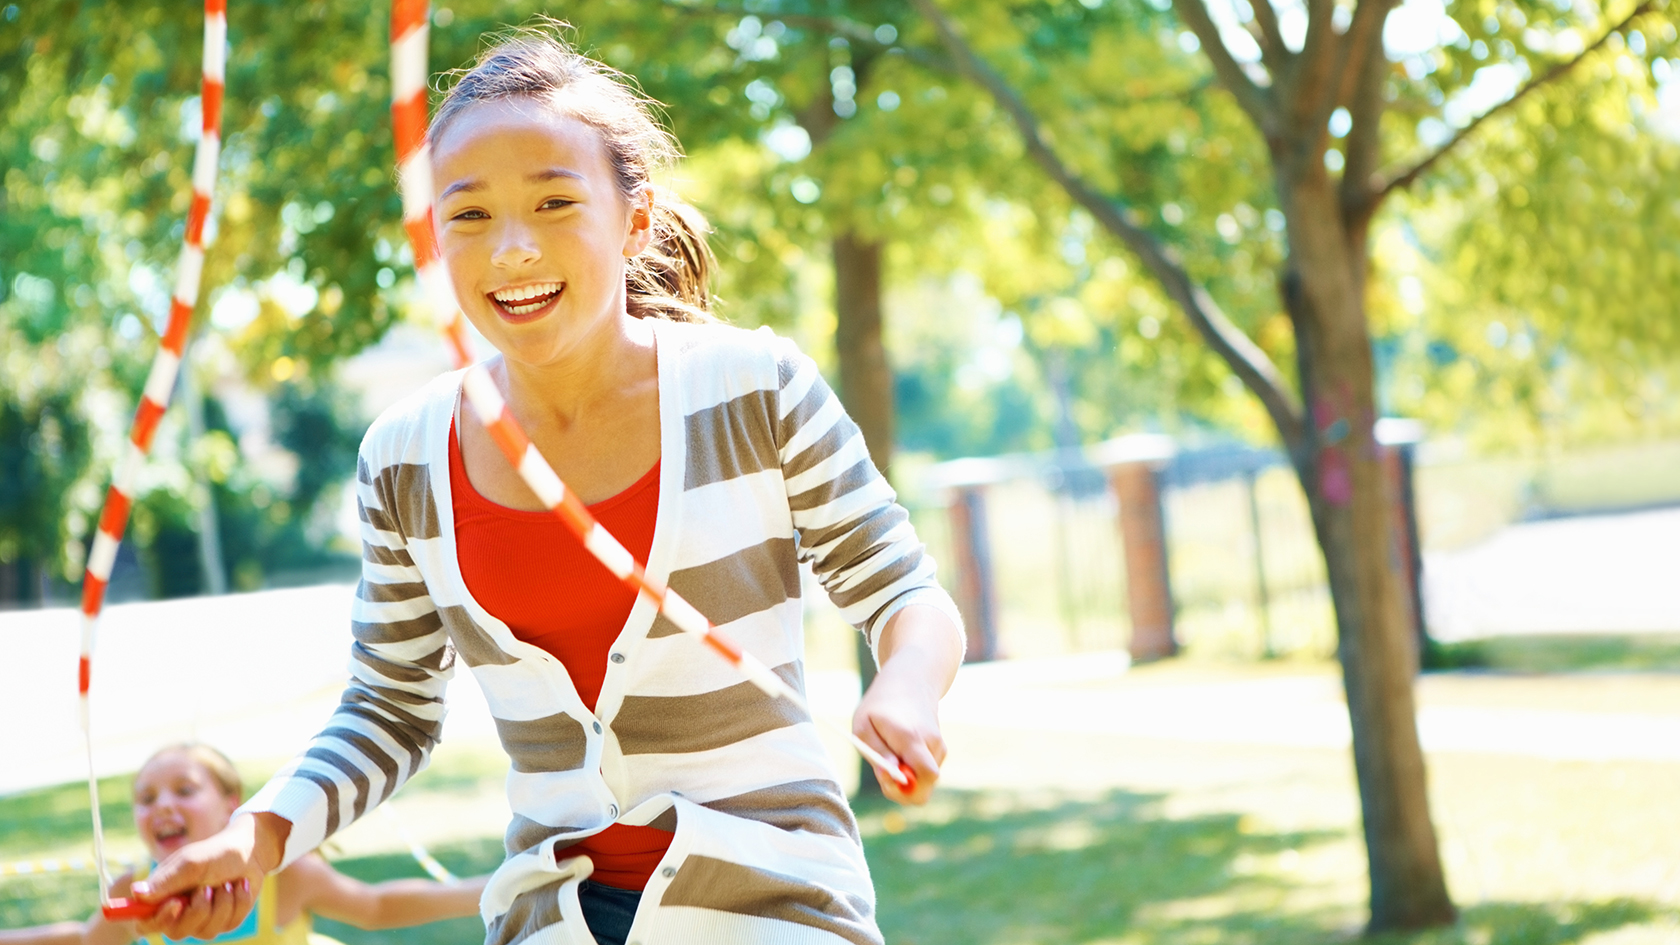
(1242, 574)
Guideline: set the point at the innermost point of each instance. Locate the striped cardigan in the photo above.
(762, 469)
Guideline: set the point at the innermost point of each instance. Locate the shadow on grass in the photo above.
(1525, 923)
(990, 869)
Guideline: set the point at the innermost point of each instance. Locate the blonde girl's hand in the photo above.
(920, 650)
(208, 887)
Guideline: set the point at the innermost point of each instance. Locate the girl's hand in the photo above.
(207, 888)
(899, 715)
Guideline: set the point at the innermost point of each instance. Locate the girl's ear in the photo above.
(640, 233)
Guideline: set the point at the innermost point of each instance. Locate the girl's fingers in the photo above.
(221, 909)
(167, 914)
(909, 748)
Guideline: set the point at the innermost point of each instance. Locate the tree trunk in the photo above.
(1342, 475)
(865, 389)
(866, 385)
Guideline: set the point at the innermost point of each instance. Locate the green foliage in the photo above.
(265, 525)
(44, 454)
(1549, 269)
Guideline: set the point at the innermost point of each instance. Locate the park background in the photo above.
(997, 337)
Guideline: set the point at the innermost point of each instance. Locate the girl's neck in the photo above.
(614, 362)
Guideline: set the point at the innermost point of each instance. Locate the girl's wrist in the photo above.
(268, 833)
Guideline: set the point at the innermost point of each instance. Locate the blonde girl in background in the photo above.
(185, 793)
(657, 797)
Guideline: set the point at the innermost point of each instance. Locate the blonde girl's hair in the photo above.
(220, 769)
(671, 278)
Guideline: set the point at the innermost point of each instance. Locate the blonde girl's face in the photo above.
(176, 802)
(533, 227)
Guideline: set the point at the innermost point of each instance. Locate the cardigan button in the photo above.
(613, 809)
(597, 728)
(618, 657)
(668, 872)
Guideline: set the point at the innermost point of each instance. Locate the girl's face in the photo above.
(176, 801)
(533, 227)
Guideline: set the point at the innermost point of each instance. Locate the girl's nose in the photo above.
(515, 246)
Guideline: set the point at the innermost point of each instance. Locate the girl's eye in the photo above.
(470, 215)
(555, 203)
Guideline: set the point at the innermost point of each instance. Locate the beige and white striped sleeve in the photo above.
(391, 713)
(851, 528)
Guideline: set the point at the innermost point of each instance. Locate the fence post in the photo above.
(1143, 536)
(976, 592)
(1397, 441)
(1263, 597)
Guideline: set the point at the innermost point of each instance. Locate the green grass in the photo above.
(54, 820)
(994, 868)
(1174, 844)
(37, 900)
(1562, 653)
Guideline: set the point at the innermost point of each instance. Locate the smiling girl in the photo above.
(657, 797)
(186, 793)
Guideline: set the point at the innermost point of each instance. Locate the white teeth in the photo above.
(509, 296)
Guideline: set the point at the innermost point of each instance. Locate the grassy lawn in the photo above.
(1115, 870)
(1109, 839)
(1556, 653)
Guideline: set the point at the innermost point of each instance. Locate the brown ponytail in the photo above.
(671, 278)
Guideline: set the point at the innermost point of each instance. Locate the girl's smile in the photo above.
(528, 302)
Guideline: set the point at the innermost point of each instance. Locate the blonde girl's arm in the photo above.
(392, 904)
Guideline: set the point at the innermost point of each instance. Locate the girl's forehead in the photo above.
(516, 129)
(172, 766)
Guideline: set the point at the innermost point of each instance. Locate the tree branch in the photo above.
(1244, 357)
(1256, 101)
(1389, 183)
(1314, 68)
(1273, 51)
(1363, 76)
(848, 29)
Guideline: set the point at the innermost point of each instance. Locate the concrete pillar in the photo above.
(1143, 537)
(976, 591)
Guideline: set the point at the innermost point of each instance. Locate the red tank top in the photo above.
(529, 571)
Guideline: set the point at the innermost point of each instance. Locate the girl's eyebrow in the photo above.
(467, 186)
(553, 173)
(473, 184)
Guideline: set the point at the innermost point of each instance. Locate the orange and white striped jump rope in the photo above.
(409, 74)
(160, 383)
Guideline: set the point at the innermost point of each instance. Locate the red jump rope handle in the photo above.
(909, 785)
(127, 910)
(131, 910)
